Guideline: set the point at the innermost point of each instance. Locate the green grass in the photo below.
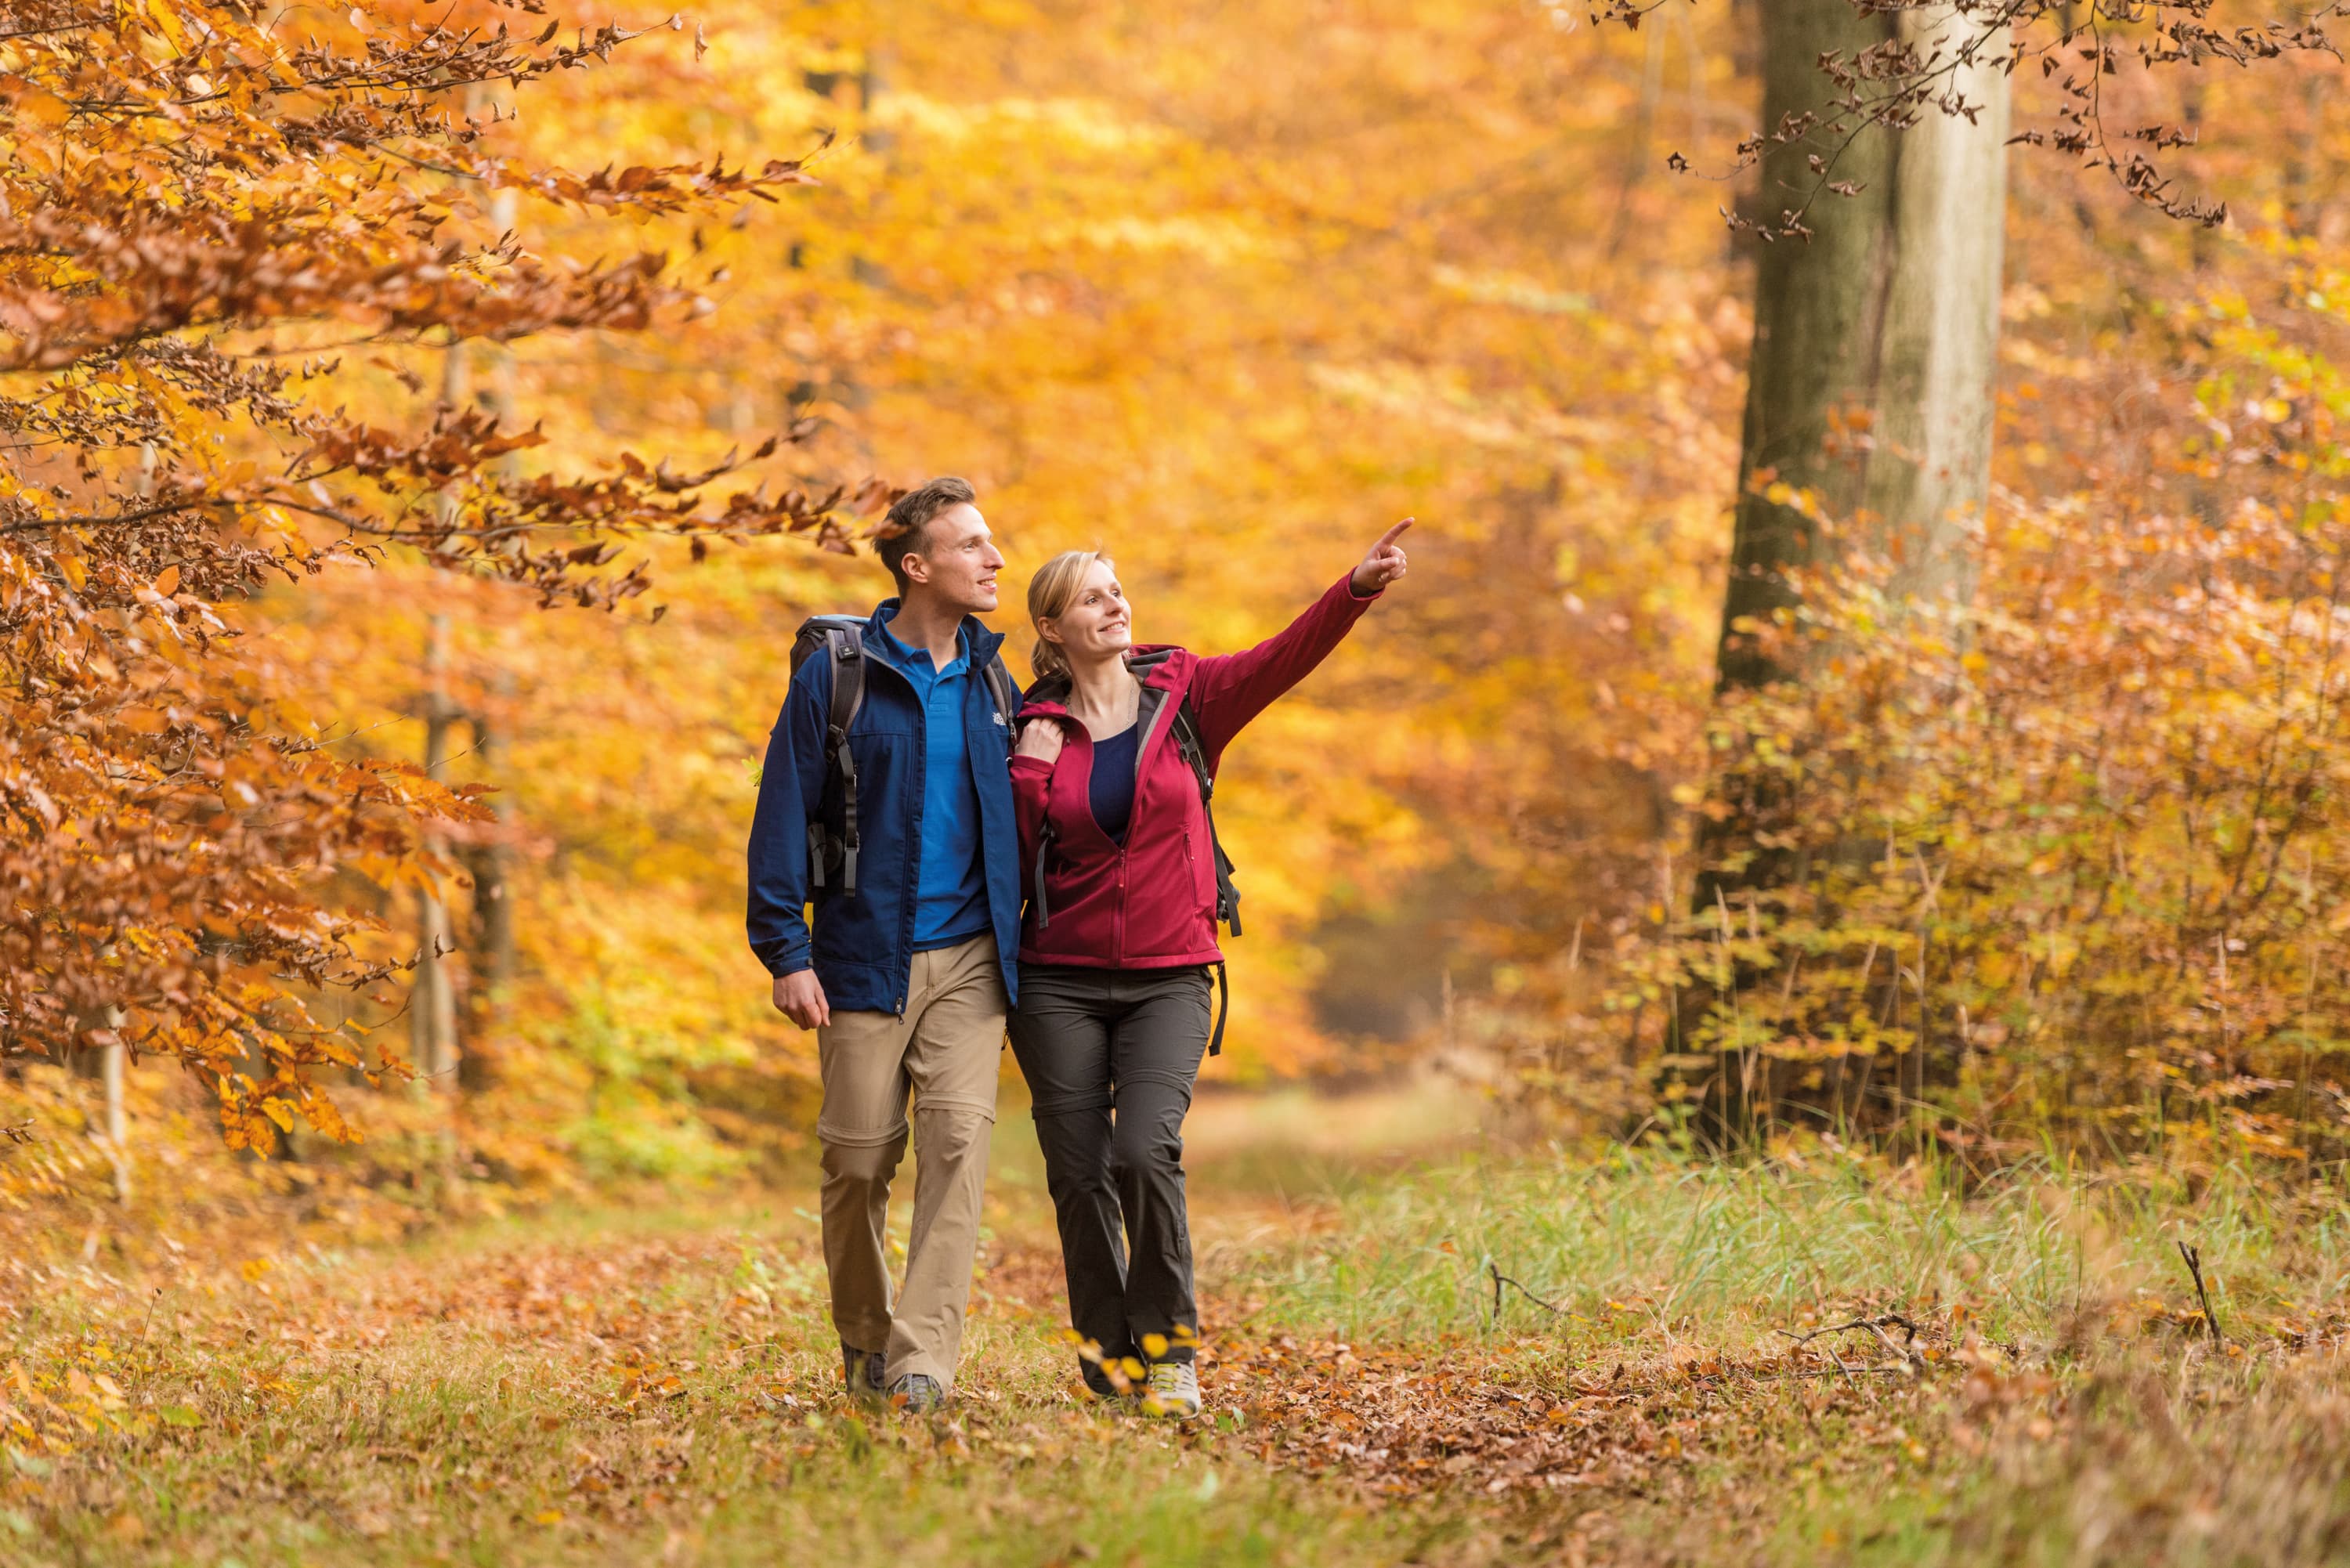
(656, 1382)
(1682, 1246)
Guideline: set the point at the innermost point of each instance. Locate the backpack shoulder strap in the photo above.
(844, 649)
(1186, 736)
(1194, 752)
(1005, 691)
(844, 645)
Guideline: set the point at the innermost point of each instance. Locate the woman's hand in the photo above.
(1383, 566)
(1040, 739)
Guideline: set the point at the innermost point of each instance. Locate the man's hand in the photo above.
(800, 998)
(1040, 739)
(1383, 566)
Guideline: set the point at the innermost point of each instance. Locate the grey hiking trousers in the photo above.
(1111, 1057)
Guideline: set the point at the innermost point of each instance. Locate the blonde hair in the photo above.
(1052, 591)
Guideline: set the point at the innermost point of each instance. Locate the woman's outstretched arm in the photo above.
(1230, 690)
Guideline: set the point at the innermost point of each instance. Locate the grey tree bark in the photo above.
(1874, 340)
(433, 997)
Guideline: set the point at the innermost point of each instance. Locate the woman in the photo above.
(1120, 934)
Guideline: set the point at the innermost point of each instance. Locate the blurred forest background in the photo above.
(2042, 847)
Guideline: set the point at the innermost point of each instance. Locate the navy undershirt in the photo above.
(1111, 793)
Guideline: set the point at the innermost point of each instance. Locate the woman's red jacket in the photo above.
(1150, 903)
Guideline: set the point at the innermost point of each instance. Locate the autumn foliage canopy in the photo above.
(203, 210)
(338, 344)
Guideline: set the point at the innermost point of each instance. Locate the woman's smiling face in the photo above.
(1098, 623)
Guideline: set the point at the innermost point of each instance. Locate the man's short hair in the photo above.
(903, 531)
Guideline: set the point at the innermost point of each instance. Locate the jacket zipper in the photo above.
(1117, 937)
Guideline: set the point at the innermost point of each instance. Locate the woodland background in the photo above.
(2049, 854)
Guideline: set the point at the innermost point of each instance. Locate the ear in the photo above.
(1047, 631)
(917, 569)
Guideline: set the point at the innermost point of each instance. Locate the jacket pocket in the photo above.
(1200, 859)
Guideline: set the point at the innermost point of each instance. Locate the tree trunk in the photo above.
(1874, 340)
(118, 1119)
(490, 955)
(433, 997)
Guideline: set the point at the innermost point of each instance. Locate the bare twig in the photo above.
(1501, 1279)
(1876, 1325)
(1910, 1361)
(2194, 1259)
(1908, 1349)
(150, 1318)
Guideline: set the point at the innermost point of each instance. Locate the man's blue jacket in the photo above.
(863, 944)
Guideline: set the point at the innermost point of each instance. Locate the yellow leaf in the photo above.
(34, 106)
(167, 23)
(167, 581)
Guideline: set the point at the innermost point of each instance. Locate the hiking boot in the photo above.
(1173, 1390)
(861, 1370)
(916, 1394)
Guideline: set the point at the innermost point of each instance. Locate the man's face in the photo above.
(957, 560)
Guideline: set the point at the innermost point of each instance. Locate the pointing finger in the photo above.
(1392, 534)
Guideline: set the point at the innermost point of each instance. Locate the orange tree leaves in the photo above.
(201, 206)
(2073, 850)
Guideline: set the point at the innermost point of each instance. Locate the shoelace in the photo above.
(1167, 1383)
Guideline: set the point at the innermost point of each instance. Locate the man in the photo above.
(912, 965)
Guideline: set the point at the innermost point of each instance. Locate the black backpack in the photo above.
(1186, 742)
(832, 851)
(1228, 896)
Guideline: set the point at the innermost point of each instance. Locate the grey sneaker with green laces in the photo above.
(916, 1394)
(1173, 1390)
(861, 1370)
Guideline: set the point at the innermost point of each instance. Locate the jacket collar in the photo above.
(1153, 663)
(979, 642)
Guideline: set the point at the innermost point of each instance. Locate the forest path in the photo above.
(662, 1383)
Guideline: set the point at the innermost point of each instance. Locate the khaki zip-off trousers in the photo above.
(945, 1048)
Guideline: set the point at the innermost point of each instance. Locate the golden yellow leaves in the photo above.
(32, 106)
(165, 14)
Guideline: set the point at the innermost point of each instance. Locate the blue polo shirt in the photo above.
(951, 892)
